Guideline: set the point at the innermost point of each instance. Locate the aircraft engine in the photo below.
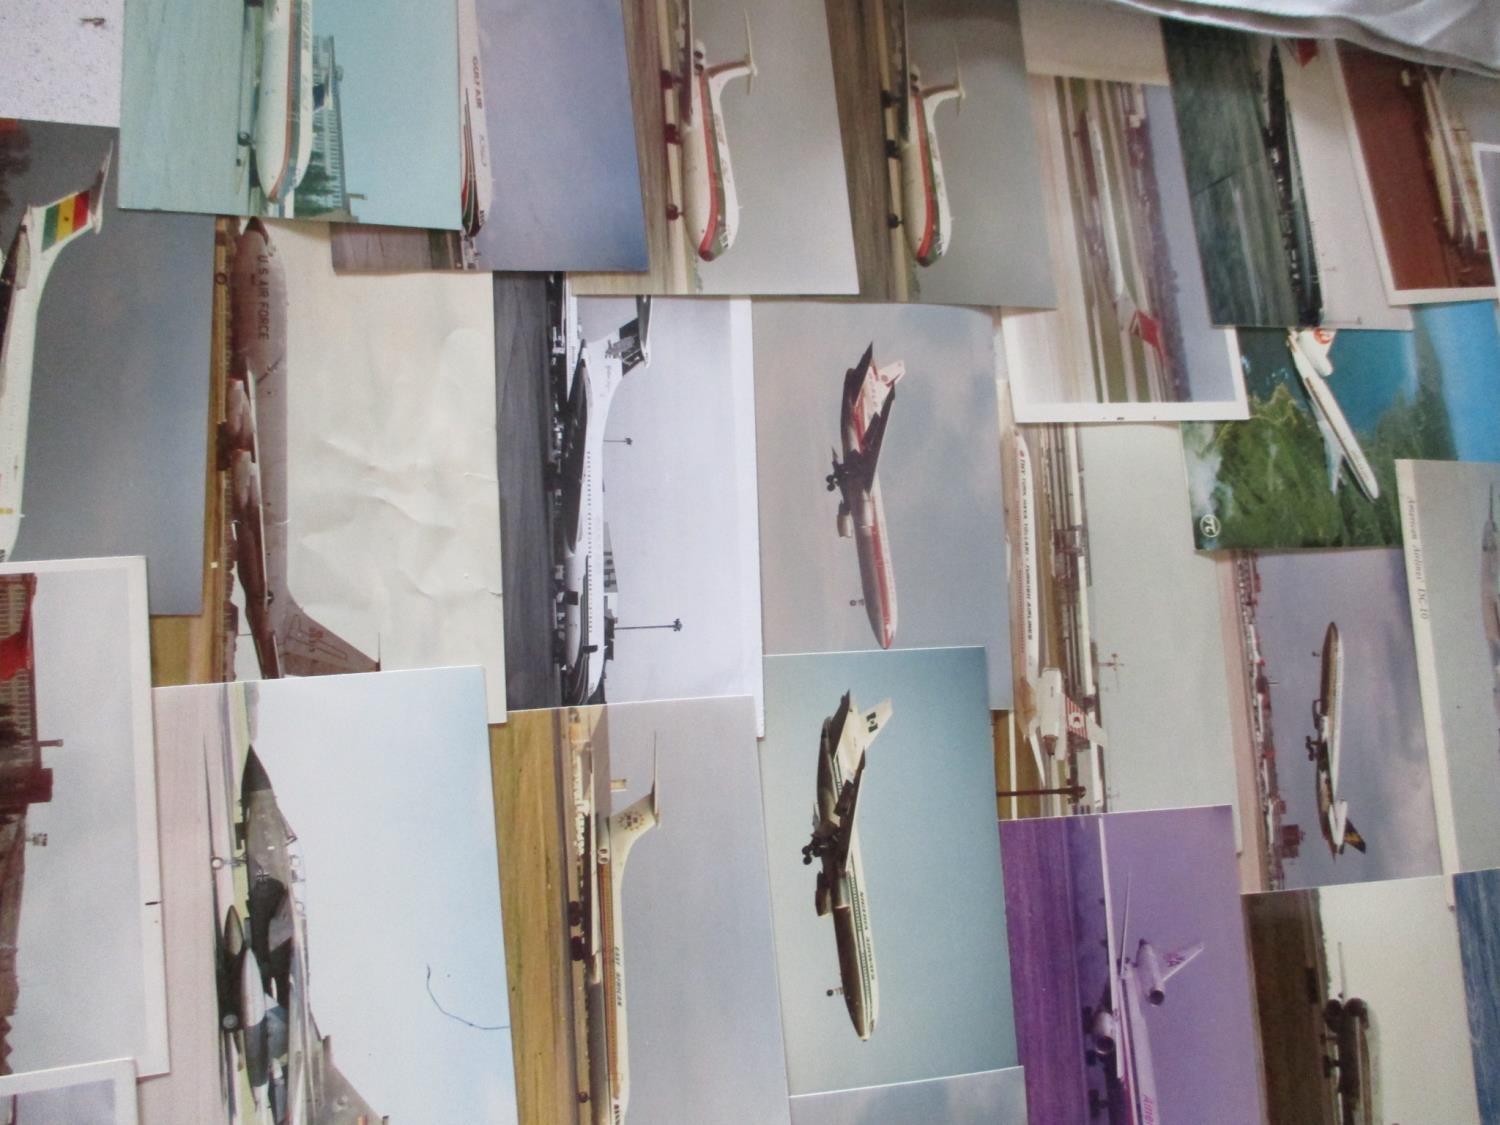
(821, 898)
(1156, 985)
(846, 522)
(1102, 1033)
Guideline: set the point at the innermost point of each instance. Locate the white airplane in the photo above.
(847, 735)
(1309, 348)
(1450, 152)
(926, 217)
(282, 138)
(474, 140)
(864, 410)
(593, 370)
(1117, 1031)
(1323, 747)
(711, 205)
(43, 233)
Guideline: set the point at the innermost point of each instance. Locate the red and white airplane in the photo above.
(869, 394)
(282, 137)
(711, 205)
(925, 215)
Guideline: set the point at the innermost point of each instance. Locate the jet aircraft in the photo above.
(847, 735)
(1310, 348)
(864, 411)
(282, 137)
(1450, 155)
(1323, 748)
(474, 140)
(926, 218)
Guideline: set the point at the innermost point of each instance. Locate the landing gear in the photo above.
(893, 221)
(892, 150)
(674, 212)
(888, 100)
(575, 913)
(672, 135)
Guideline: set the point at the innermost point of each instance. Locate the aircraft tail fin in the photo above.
(58, 223)
(1352, 838)
(1175, 960)
(875, 719)
(309, 649)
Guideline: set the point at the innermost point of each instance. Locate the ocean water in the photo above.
(1477, 895)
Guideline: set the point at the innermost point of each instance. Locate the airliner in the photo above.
(1450, 153)
(474, 139)
(847, 735)
(712, 206)
(1323, 748)
(591, 373)
(34, 249)
(1310, 348)
(282, 137)
(926, 217)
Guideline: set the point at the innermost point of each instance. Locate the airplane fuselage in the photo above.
(477, 186)
(926, 217)
(712, 204)
(1325, 745)
(1309, 350)
(283, 135)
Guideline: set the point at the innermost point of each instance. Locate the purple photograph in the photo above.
(1129, 969)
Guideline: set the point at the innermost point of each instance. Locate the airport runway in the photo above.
(522, 417)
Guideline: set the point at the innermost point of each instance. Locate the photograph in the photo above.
(1360, 998)
(1451, 519)
(103, 381)
(550, 175)
(916, 877)
(1325, 646)
(703, 1037)
(101, 1093)
(627, 476)
(1330, 414)
(1271, 172)
(1103, 575)
(1131, 339)
(834, 557)
(944, 177)
(995, 1097)
(344, 982)
(81, 958)
(1477, 902)
(334, 110)
(1413, 128)
(357, 454)
(718, 85)
(1103, 912)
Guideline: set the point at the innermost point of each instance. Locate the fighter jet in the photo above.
(592, 373)
(711, 205)
(34, 249)
(1489, 587)
(1310, 348)
(865, 409)
(846, 737)
(282, 137)
(925, 217)
(1117, 1034)
(252, 444)
(1323, 748)
(474, 140)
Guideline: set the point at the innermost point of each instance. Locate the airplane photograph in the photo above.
(322, 564)
(1339, 408)
(307, 1013)
(1346, 737)
(1131, 337)
(293, 109)
(1455, 613)
(1104, 912)
(1361, 1004)
(874, 954)
(550, 175)
(668, 787)
(735, 203)
(102, 402)
(932, 104)
(867, 539)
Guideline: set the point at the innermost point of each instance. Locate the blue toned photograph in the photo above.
(341, 110)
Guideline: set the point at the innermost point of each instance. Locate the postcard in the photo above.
(82, 975)
(1327, 660)
(101, 1093)
(1413, 128)
(358, 453)
(627, 469)
(1103, 578)
(103, 381)
(1451, 518)
(1085, 39)
(995, 1097)
(1132, 980)
(550, 177)
(1330, 413)
(296, 808)
(673, 787)
(60, 60)
(944, 178)
(1131, 339)
(1361, 1004)
(1271, 171)
(1477, 902)
(842, 570)
(890, 929)
(742, 170)
(340, 111)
